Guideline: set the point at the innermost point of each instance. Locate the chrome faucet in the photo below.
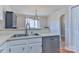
(26, 32)
(27, 26)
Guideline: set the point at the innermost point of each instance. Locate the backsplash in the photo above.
(18, 31)
(1, 24)
(43, 30)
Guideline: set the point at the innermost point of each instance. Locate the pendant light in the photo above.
(36, 16)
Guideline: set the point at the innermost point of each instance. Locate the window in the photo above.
(33, 23)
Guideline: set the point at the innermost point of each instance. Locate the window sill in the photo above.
(34, 29)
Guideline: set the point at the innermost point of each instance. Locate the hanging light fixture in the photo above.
(36, 16)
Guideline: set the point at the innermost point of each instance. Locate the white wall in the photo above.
(1, 17)
(43, 21)
(20, 18)
(54, 20)
(7, 8)
(21, 21)
(1, 24)
(2, 9)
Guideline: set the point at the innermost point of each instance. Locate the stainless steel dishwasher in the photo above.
(51, 44)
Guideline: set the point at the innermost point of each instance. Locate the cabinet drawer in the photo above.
(18, 42)
(35, 40)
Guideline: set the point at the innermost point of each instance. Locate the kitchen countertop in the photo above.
(27, 37)
(48, 34)
(4, 36)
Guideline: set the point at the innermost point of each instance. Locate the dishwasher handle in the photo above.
(53, 39)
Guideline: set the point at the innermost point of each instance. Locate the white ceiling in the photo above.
(43, 10)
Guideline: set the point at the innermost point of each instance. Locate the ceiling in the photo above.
(43, 10)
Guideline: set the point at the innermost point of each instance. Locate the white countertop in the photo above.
(4, 36)
(47, 34)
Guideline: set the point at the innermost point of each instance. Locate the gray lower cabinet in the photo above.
(51, 44)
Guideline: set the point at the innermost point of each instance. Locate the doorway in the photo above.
(62, 31)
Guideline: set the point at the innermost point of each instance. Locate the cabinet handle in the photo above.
(9, 50)
(41, 45)
(31, 47)
(23, 49)
(53, 39)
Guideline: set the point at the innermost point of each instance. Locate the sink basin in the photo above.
(21, 35)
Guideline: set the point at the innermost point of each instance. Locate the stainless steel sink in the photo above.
(21, 35)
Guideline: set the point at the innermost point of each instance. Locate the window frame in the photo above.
(35, 26)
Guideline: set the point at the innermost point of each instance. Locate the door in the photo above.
(75, 27)
(18, 49)
(35, 48)
(77, 41)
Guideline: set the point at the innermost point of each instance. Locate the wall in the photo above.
(1, 17)
(21, 21)
(2, 9)
(20, 18)
(7, 8)
(1, 24)
(43, 21)
(54, 20)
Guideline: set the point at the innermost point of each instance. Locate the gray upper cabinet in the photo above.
(10, 19)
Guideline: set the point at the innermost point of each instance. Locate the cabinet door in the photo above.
(8, 19)
(6, 50)
(35, 48)
(19, 49)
